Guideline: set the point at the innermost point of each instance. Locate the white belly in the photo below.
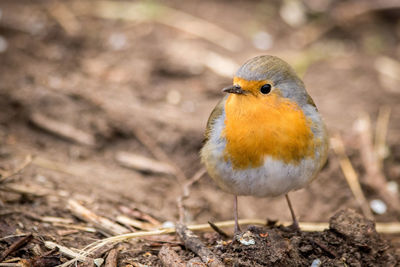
(273, 178)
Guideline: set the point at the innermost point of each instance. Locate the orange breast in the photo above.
(269, 126)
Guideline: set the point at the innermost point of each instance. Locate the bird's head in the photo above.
(266, 76)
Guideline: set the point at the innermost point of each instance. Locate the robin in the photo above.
(266, 137)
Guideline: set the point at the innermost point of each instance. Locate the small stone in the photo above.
(98, 262)
(247, 239)
(316, 263)
(168, 224)
(378, 206)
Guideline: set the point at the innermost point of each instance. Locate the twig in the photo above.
(77, 227)
(218, 230)
(144, 164)
(13, 236)
(351, 176)
(381, 130)
(51, 219)
(342, 14)
(137, 213)
(11, 265)
(27, 161)
(15, 246)
(66, 251)
(32, 190)
(102, 223)
(323, 247)
(63, 130)
(112, 258)
(135, 223)
(158, 152)
(186, 192)
(193, 243)
(351, 9)
(170, 258)
(167, 16)
(65, 18)
(374, 175)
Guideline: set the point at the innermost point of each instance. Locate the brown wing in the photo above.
(214, 115)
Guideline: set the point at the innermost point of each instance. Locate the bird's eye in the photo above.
(265, 89)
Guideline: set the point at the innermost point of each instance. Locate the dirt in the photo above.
(350, 240)
(145, 87)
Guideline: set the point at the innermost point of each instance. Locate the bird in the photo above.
(265, 137)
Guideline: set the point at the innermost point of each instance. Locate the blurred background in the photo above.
(106, 102)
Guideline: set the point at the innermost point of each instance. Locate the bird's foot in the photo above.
(294, 227)
(237, 234)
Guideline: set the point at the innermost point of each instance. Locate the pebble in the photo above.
(378, 206)
(98, 262)
(316, 263)
(246, 239)
(168, 224)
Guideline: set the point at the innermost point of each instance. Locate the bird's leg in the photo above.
(235, 212)
(295, 224)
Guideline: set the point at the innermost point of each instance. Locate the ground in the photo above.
(83, 82)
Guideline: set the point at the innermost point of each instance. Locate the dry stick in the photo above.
(112, 258)
(36, 191)
(382, 125)
(218, 230)
(135, 223)
(27, 161)
(351, 176)
(170, 258)
(341, 15)
(143, 164)
(57, 221)
(66, 251)
(13, 236)
(63, 130)
(102, 223)
(168, 16)
(140, 215)
(64, 17)
(157, 152)
(15, 246)
(374, 175)
(186, 193)
(193, 243)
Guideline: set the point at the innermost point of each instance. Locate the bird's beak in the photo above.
(233, 89)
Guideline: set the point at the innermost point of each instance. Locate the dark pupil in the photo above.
(266, 88)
